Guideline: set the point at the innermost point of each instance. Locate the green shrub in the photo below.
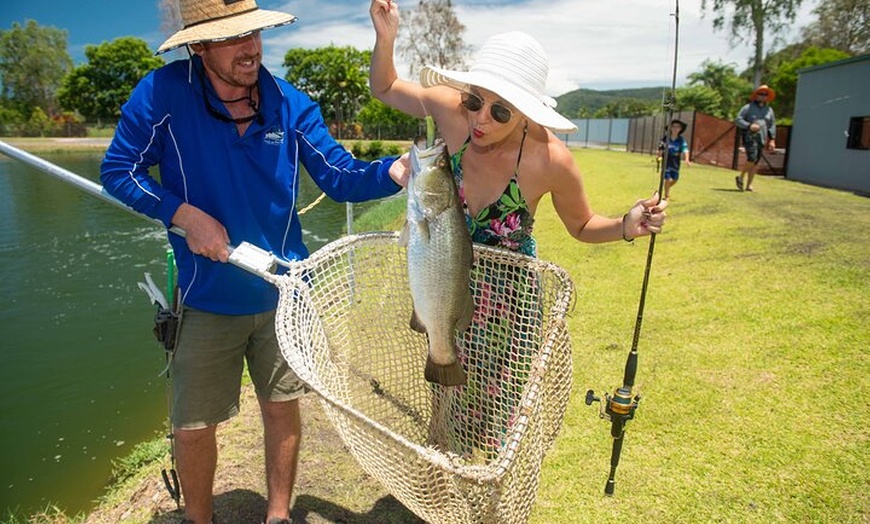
(375, 150)
(357, 150)
(393, 150)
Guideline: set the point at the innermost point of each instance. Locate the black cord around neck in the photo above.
(255, 107)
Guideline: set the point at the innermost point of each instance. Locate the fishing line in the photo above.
(620, 407)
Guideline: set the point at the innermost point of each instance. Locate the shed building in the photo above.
(830, 137)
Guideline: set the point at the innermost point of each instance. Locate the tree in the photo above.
(335, 77)
(701, 98)
(33, 61)
(750, 19)
(432, 36)
(98, 88)
(723, 80)
(382, 121)
(784, 80)
(626, 108)
(842, 24)
(772, 61)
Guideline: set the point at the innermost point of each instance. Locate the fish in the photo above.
(440, 257)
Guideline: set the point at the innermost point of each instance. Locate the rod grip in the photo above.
(630, 370)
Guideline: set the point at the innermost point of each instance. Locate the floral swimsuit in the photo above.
(482, 411)
(507, 222)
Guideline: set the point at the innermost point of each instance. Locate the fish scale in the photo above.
(439, 261)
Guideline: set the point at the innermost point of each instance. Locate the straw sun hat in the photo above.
(513, 66)
(771, 94)
(218, 20)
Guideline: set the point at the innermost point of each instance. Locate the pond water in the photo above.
(81, 384)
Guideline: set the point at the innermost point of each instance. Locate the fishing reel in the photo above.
(618, 408)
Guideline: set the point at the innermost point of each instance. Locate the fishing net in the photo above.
(466, 454)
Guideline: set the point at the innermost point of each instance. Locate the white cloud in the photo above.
(594, 44)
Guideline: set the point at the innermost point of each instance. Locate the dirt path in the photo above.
(330, 488)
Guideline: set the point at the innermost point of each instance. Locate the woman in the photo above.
(498, 126)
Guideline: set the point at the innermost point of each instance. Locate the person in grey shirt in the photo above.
(758, 123)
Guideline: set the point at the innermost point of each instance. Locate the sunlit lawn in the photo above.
(753, 353)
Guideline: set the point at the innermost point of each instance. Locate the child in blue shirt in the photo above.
(677, 148)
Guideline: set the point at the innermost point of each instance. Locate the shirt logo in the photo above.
(274, 137)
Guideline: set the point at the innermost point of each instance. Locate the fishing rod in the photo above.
(247, 256)
(620, 407)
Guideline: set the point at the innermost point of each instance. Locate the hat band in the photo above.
(208, 20)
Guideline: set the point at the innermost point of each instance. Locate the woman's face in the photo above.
(490, 119)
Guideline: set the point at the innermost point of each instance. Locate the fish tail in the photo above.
(446, 375)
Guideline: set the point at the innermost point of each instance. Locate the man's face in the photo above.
(761, 97)
(235, 63)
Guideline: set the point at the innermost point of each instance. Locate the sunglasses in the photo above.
(500, 113)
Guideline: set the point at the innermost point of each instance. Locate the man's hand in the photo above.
(205, 235)
(400, 171)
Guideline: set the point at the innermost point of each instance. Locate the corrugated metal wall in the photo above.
(828, 98)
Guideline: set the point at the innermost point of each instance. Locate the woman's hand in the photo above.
(385, 18)
(644, 217)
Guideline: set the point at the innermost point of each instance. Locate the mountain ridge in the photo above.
(588, 101)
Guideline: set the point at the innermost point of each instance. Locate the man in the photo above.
(758, 123)
(229, 138)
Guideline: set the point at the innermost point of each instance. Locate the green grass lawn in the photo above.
(752, 353)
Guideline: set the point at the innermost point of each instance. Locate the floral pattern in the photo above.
(506, 223)
(483, 410)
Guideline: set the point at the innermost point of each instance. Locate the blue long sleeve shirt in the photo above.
(248, 183)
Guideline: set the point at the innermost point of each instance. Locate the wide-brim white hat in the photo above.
(218, 20)
(513, 66)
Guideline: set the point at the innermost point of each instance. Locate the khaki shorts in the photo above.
(208, 362)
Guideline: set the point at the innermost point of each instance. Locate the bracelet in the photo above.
(623, 229)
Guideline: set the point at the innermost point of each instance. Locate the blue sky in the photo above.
(594, 44)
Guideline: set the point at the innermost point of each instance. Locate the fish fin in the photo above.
(449, 375)
(467, 315)
(423, 228)
(403, 235)
(415, 323)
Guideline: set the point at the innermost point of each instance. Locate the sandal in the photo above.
(739, 183)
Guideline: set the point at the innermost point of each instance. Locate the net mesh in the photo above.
(467, 454)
